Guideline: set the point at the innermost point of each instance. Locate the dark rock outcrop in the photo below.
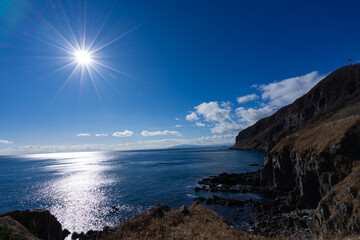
(41, 223)
(226, 179)
(276, 218)
(222, 201)
(308, 167)
(339, 210)
(12, 229)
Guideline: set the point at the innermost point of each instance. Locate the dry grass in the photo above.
(11, 229)
(201, 223)
(318, 138)
(340, 196)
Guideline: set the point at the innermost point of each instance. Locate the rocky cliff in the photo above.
(339, 210)
(312, 146)
(31, 224)
(336, 96)
(311, 162)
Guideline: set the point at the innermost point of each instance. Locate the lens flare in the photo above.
(83, 57)
(81, 50)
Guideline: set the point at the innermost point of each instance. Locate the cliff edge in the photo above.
(336, 96)
(312, 150)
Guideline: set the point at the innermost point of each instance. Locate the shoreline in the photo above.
(276, 217)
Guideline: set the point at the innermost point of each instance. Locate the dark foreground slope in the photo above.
(196, 222)
(313, 149)
(336, 96)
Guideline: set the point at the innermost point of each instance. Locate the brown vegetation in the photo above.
(340, 208)
(200, 223)
(319, 138)
(337, 96)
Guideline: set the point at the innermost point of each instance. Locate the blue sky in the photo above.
(167, 72)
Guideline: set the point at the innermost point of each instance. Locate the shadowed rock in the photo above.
(41, 223)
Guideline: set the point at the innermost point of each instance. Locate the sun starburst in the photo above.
(83, 57)
(82, 54)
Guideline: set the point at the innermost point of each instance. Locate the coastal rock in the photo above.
(12, 229)
(311, 148)
(92, 235)
(278, 219)
(227, 180)
(336, 96)
(41, 223)
(223, 201)
(339, 211)
(158, 210)
(237, 183)
(307, 167)
(184, 210)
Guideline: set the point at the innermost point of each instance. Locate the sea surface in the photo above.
(81, 188)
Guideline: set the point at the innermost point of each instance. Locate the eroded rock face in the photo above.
(41, 223)
(338, 91)
(304, 174)
(14, 229)
(339, 210)
(307, 164)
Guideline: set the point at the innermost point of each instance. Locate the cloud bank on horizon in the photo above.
(221, 118)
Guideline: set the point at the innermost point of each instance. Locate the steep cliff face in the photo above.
(313, 149)
(336, 96)
(39, 224)
(339, 210)
(311, 162)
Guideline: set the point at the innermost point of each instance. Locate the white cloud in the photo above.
(226, 105)
(251, 115)
(192, 117)
(226, 127)
(83, 134)
(211, 111)
(5, 141)
(177, 119)
(219, 114)
(178, 126)
(288, 90)
(157, 133)
(200, 124)
(221, 118)
(247, 98)
(101, 134)
(125, 133)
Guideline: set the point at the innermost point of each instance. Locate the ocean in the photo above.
(80, 188)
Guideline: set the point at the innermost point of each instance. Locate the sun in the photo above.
(83, 57)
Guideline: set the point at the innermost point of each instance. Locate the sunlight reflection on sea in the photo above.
(81, 188)
(80, 196)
